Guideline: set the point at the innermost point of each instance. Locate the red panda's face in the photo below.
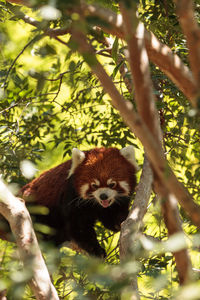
(104, 175)
(104, 193)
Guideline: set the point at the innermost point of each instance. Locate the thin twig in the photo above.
(14, 61)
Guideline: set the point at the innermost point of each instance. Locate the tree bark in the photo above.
(130, 228)
(132, 224)
(191, 30)
(158, 53)
(14, 210)
(173, 224)
(146, 106)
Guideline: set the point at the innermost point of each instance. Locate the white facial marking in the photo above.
(109, 181)
(95, 184)
(83, 190)
(125, 186)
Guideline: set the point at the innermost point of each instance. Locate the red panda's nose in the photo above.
(103, 196)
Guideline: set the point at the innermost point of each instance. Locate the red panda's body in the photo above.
(93, 185)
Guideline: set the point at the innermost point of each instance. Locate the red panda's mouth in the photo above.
(105, 196)
(105, 203)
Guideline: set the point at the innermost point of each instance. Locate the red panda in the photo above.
(93, 185)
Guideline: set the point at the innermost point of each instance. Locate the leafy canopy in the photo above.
(50, 102)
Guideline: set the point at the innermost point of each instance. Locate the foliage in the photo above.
(50, 102)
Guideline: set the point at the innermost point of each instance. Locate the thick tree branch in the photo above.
(14, 210)
(113, 20)
(158, 53)
(173, 224)
(171, 64)
(21, 2)
(139, 65)
(191, 30)
(146, 105)
(132, 225)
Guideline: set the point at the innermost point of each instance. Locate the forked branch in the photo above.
(146, 105)
(158, 53)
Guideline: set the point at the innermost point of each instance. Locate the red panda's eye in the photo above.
(112, 185)
(94, 186)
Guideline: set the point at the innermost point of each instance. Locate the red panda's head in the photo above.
(104, 174)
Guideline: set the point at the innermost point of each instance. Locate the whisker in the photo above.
(85, 201)
(79, 201)
(73, 200)
(121, 197)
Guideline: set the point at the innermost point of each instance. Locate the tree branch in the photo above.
(131, 226)
(173, 223)
(158, 53)
(139, 65)
(171, 65)
(191, 30)
(146, 106)
(14, 210)
(14, 61)
(113, 20)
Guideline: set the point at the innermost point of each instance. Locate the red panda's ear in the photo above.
(77, 157)
(129, 153)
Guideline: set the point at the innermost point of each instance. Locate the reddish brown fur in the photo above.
(72, 218)
(100, 163)
(46, 188)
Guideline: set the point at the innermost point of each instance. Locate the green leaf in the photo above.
(115, 47)
(116, 69)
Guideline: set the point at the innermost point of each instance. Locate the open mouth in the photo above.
(105, 203)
